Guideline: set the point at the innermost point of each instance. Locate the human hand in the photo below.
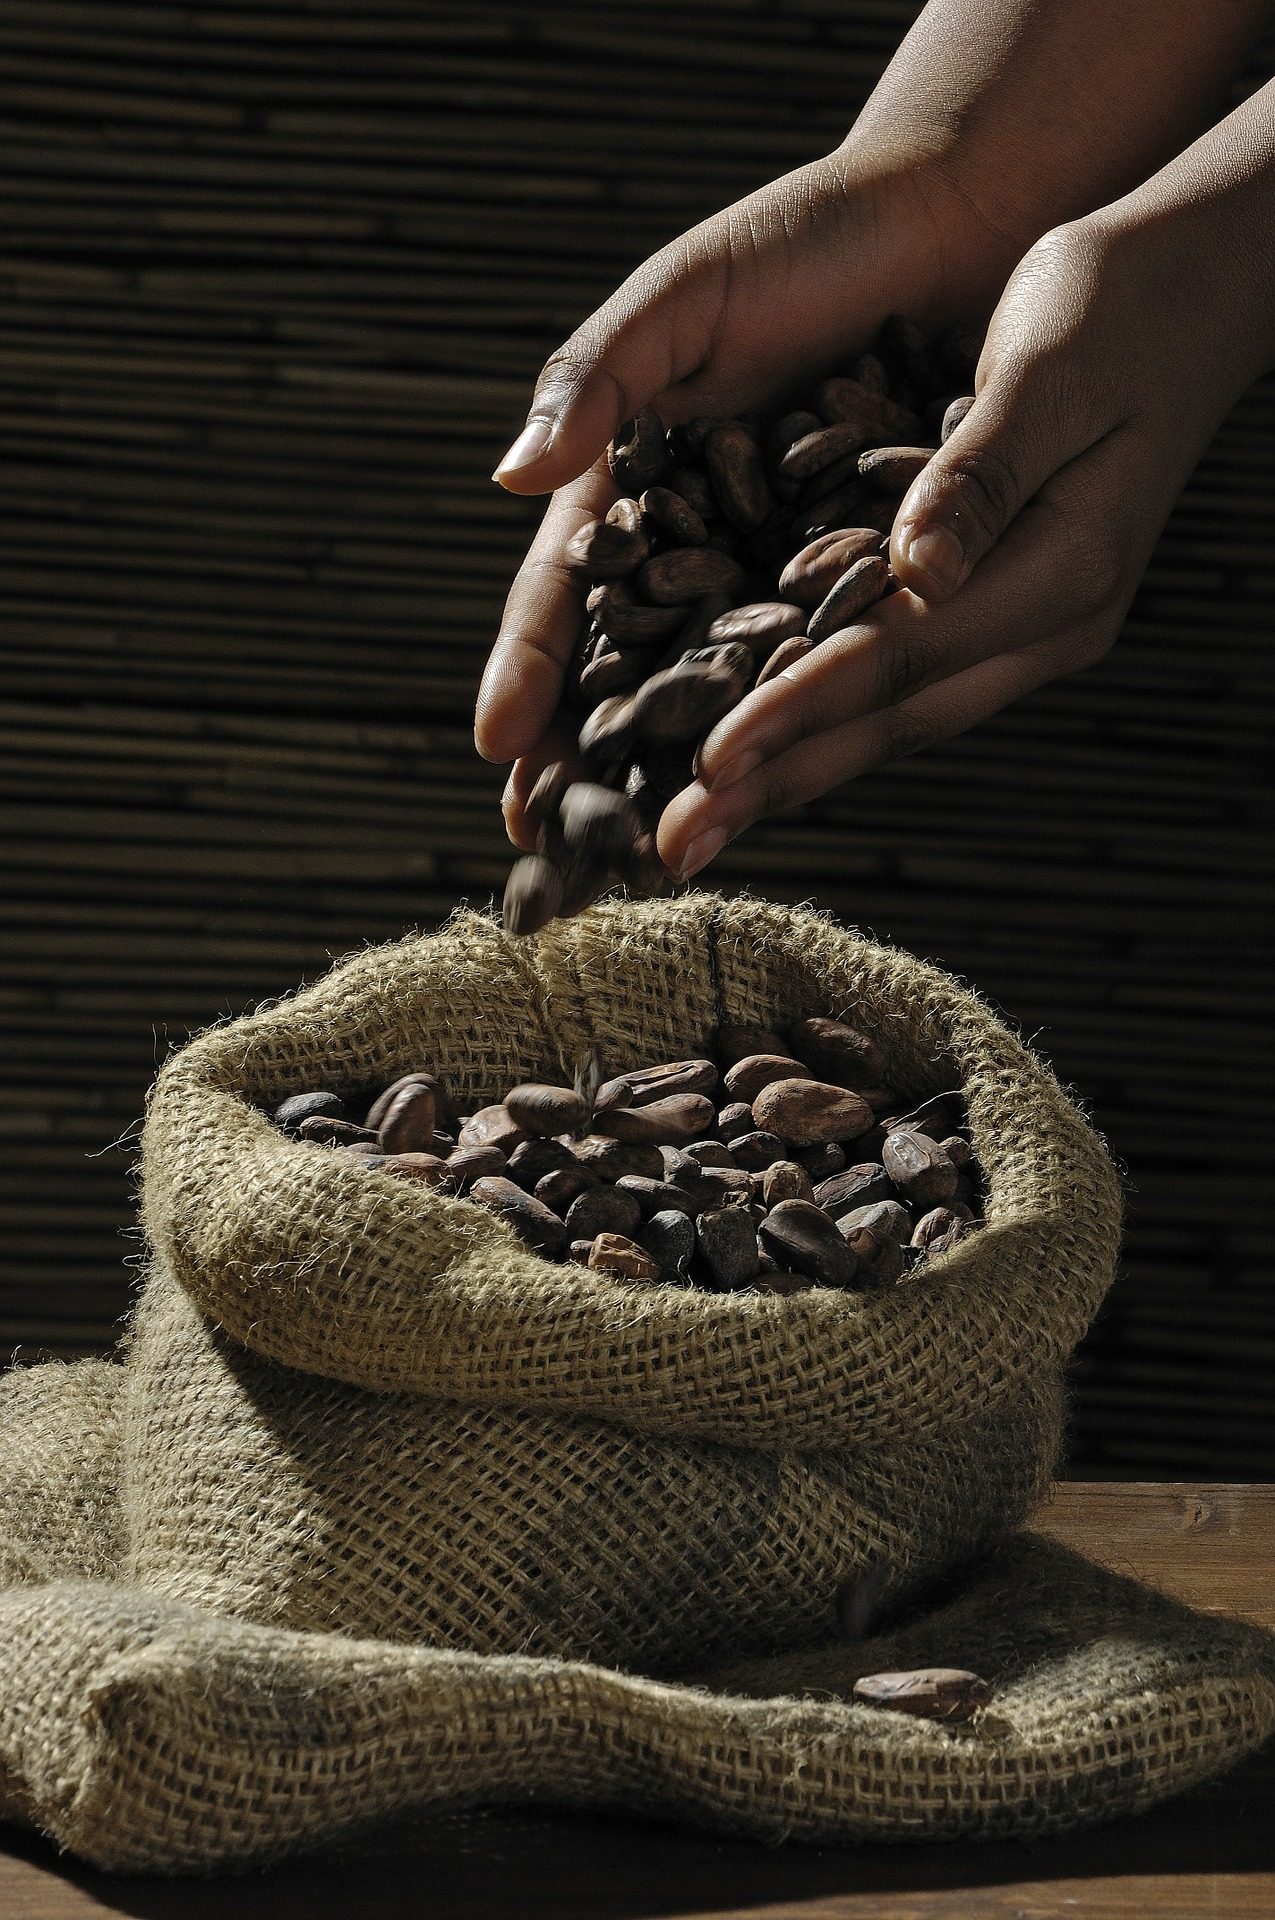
(751, 306)
(1021, 544)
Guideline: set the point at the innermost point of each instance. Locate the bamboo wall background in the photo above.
(274, 283)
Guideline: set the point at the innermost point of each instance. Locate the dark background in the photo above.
(276, 281)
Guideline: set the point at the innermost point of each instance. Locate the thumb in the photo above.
(652, 333)
(1012, 440)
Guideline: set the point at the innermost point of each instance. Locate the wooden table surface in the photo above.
(1212, 1852)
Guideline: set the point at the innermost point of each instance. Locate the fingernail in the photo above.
(705, 847)
(733, 770)
(937, 555)
(527, 448)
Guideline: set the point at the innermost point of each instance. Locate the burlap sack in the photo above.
(151, 1736)
(328, 1268)
(586, 1468)
(276, 1496)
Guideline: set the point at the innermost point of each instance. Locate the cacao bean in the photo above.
(953, 416)
(822, 1160)
(657, 1196)
(786, 1180)
(308, 1106)
(322, 1130)
(685, 702)
(425, 1167)
(602, 1209)
(878, 418)
(818, 450)
(918, 1168)
(666, 1122)
(533, 894)
(686, 573)
(558, 1189)
(407, 1125)
(811, 574)
(668, 513)
(530, 1162)
(492, 1126)
(806, 1112)
(729, 1246)
(629, 621)
(541, 1230)
(733, 1043)
(836, 1052)
(760, 626)
(756, 1151)
(468, 1164)
(638, 456)
(602, 552)
(597, 822)
(803, 1239)
(892, 470)
(611, 1160)
(546, 1110)
(737, 469)
(857, 1187)
(615, 1253)
(947, 1694)
(786, 655)
(669, 1237)
(859, 586)
(639, 1088)
(748, 1077)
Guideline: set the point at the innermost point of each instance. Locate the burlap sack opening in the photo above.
(253, 1490)
(351, 1275)
(153, 1737)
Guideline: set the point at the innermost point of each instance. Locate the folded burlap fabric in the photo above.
(151, 1736)
(526, 1457)
(383, 1511)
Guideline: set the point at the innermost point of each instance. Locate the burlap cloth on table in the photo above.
(150, 1736)
(383, 1510)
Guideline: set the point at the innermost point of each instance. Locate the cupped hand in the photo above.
(1020, 545)
(753, 305)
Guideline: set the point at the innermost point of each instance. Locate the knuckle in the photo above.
(984, 487)
(906, 663)
(903, 732)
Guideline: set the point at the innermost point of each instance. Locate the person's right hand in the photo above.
(750, 307)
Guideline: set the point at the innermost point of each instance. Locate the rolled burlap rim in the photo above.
(344, 1272)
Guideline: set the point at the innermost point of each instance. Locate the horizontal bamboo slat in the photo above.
(274, 284)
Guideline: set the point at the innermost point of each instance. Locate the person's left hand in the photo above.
(1021, 544)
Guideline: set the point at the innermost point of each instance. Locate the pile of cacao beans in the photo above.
(733, 550)
(784, 1162)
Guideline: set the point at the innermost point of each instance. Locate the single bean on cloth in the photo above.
(734, 548)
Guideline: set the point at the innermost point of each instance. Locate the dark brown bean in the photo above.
(786, 655)
(322, 1130)
(858, 588)
(805, 1112)
(611, 1159)
(545, 1110)
(858, 1186)
(468, 1164)
(747, 1078)
(383, 1101)
(786, 1180)
(532, 1222)
(839, 1053)
(308, 1106)
(685, 573)
(407, 1125)
(918, 1168)
(602, 552)
(737, 469)
(666, 1122)
(616, 1253)
(953, 416)
(530, 1162)
(811, 574)
(602, 1209)
(669, 1237)
(638, 455)
(425, 1167)
(802, 1238)
(948, 1694)
(533, 894)
(891, 470)
(492, 1126)
(729, 1246)
(756, 1151)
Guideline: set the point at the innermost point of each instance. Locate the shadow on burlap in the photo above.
(381, 1512)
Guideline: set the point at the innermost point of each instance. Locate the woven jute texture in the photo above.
(311, 1261)
(152, 1736)
(254, 1490)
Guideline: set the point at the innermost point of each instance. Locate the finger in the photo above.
(543, 619)
(651, 334)
(697, 824)
(557, 744)
(1031, 418)
(904, 643)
